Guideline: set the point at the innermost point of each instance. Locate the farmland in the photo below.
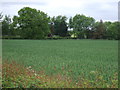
(72, 58)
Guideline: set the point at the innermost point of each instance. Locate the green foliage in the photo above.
(33, 24)
(1, 16)
(16, 31)
(71, 58)
(82, 25)
(113, 30)
(7, 28)
(60, 25)
(17, 76)
(71, 22)
(99, 30)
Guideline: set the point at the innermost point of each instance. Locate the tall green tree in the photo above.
(16, 31)
(6, 26)
(114, 31)
(1, 16)
(82, 25)
(107, 34)
(32, 23)
(100, 30)
(60, 25)
(70, 22)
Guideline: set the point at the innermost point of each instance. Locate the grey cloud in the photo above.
(92, 9)
(23, 3)
(98, 11)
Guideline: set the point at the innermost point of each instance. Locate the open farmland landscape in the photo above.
(60, 63)
(59, 44)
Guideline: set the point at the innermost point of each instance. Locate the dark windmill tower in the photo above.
(119, 11)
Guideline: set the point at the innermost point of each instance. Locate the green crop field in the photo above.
(73, 58)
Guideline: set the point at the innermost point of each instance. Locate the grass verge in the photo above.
(15, 75)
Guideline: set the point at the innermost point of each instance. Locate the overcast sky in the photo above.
(107, 10)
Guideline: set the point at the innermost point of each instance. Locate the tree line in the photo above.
(35, 24)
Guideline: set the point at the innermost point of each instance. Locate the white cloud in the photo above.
(99, 9)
